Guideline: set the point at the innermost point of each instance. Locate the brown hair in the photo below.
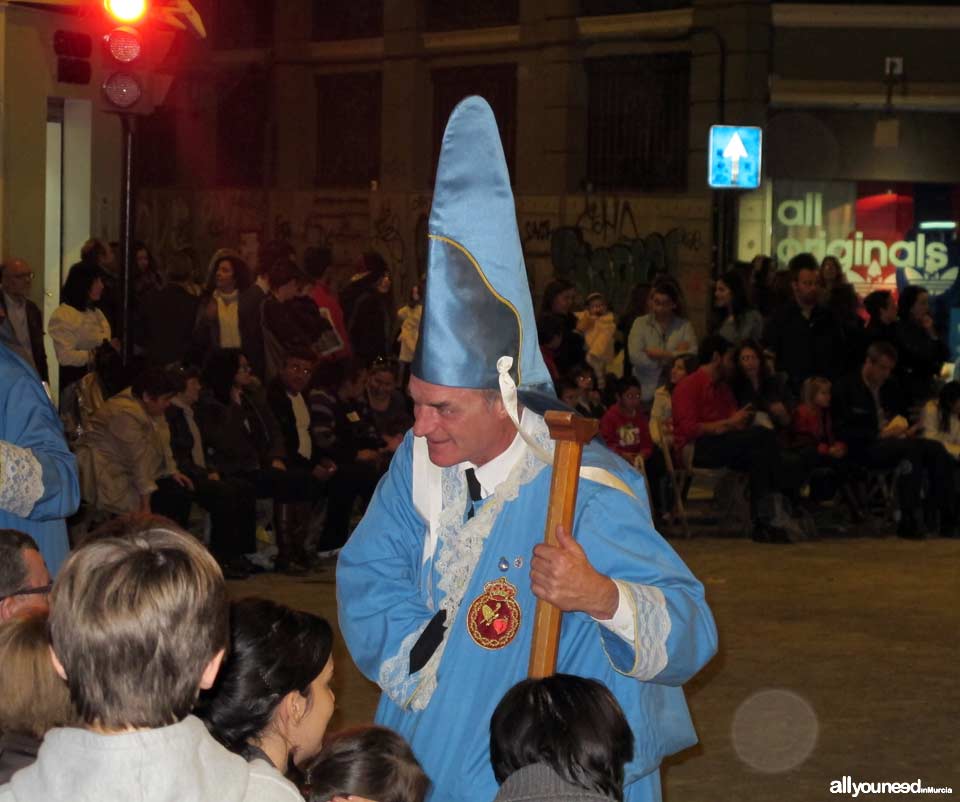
(33, 698)
(135, 620)
(811, 388)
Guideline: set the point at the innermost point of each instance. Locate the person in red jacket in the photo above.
(624, 427)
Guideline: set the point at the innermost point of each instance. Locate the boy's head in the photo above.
(139, 625)
(370, 762)
(629, 394)
(569, 392)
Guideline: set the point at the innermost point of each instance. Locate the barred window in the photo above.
(347, 19)
(637, 121)
(497, 83)
(348, 129)
(443, 15)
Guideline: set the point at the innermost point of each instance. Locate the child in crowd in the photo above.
(661, 414)
(559, 738)
(599, 328)
(369, 762)
(624, 427)
(589, 402)
(138, 626)
(273, 701)
(409, 318)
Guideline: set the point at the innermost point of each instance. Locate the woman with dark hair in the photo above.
(731, 317)
(754, 384)
(830, 276)
(558, 298)
(636, 307)
(844, 305)
(657, 338)
(759, 290)
(920, 351)
(368, 309)
(148, 276)
(561, 738)
(243, 441)
(77, 326)
(941, 419)
(272, 700)
(367, 763)
(661, 414)
(218, 322)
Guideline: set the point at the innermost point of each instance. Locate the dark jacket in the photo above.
(282, 408)
(369, 317)
(919, 358)
(251, 327)
(181, 443)
(804, 346)
(239, 437)
(167, 319)
(35, 330)
(288, 325)
(855, 420)
(17, 751)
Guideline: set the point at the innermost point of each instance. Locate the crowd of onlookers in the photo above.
(133, 677)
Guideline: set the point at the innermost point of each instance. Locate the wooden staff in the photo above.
(570, 432)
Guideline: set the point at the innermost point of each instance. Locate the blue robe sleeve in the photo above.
(674, 631)
(42, 483)
(382, 605)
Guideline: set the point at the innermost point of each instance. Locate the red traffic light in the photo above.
(123, 44)
(129, 11)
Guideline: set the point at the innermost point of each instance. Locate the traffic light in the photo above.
(134, 47)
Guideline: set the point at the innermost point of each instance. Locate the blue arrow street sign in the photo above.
(734, 157)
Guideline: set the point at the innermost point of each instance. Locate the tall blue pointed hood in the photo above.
(477, 305)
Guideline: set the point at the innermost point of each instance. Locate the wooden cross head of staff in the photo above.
(571, 432)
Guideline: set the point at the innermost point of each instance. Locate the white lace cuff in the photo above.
(643, 653)
(622, 623)
(21, 480)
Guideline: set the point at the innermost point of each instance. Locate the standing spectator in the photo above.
(759, 291)
(657, 338)
(21, 323)
(99, 254)
(24, 579)
(558, 299)
(921, 352)
(252, 300)
(636, 307)
(33, 698)
(732, 317)
(882, 309)
(285, 317)
(830, 277)
(77, 326)
(803, 334)
(705, 415)
(167, 317)
(148, 277)
(218, 323)
(335, 347)
(599, 328)
(409, 317)
(868, 413)
(560, 739)
(273, 700)
(368, 309)
(844, 305)
(133, 463)
(38, 474)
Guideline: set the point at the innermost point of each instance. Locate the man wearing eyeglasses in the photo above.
(21, 324)
(24, 579)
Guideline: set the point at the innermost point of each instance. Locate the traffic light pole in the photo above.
(126, 238)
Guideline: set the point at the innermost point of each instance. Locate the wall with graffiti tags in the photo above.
(604, 243)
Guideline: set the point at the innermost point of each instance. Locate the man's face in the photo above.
(191, 393)
(17, 278)
(26, 604)
(296, 374)
(381, 384)
(805, 287)
(878, 370)
(460, 425)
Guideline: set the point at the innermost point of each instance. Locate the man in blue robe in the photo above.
(438, 585)
(38, 474)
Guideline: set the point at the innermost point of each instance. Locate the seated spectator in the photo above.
(368, 309)
(868, 414)
(588, 402)
(138, 625)
(660, 336)
(624, 427)
(370, 763)
(77, 326)
(882, 309)
(754, 386)
(24, 578)
(244, 441)
(133, 465)
(661, 414)
(941, 419)
(559, 739)
(230, 501)
(569, 393)
(107, 378)
(218, 319)
(33, 698)
(558, 299)
(389, 407)
(732, 317)
(273, 700)
(803, 334)
(706, 417)
(844, 305)
(598, 326)
(920, 350)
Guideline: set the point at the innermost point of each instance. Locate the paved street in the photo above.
(838, 657)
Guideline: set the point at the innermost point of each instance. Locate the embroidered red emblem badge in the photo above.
(494, 616)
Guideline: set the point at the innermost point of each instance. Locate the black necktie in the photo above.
(473, 486)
